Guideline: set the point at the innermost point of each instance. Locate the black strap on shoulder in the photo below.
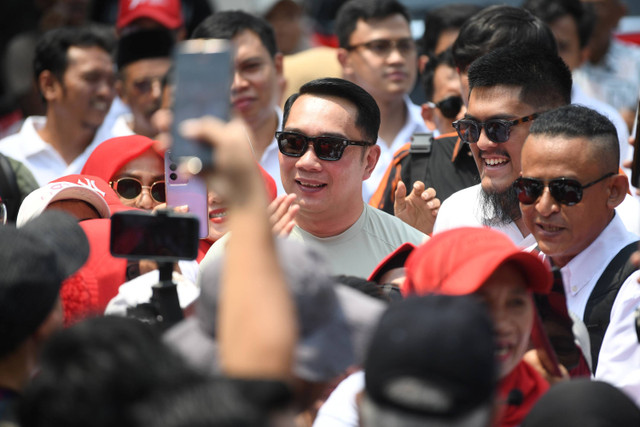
(420, 152)
(597, 313)
(9, 191)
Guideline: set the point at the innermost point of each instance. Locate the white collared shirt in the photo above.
(619, 357)
(39, 156)
(413, 124)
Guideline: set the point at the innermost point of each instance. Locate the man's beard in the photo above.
(504, 206)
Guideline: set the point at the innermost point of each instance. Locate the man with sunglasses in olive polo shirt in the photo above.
(327, 149)
(508, 88)
(568, 192)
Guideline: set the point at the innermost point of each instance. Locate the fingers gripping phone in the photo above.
(183, 189)
(203, 73)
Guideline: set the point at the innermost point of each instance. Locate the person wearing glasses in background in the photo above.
(143, 59)
(568, 192)
(378, 53)
(508, 88)
(327, 148)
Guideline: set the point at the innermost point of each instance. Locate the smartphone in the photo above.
(635, 165)
(163, 236)
(185, 189)
(203, 75)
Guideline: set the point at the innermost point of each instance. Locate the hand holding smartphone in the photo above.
(203, 73)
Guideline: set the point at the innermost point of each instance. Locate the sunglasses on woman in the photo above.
(565, 190)
(130, 188)
(449, 107)
(331, 148)
(497, 130)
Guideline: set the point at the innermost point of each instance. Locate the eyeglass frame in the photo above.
(546, 183)
(392, 45)
(113, 185)
(508, 123)
(307, 139)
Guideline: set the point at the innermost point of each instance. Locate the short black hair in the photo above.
(52, 48)
(227, 24)
(543, 76)
(438, 20)
(352, 11)
(576, 121)
(429, 72)
(551, 10)
(368, 118)
(497, 26)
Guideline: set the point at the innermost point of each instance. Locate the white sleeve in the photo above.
(341, 408)
(619, 357)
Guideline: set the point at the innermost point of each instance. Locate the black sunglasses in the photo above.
(449, 107)
(294, 144)
(497, 130)
(383, 47)
(130, 188)
(564, 190)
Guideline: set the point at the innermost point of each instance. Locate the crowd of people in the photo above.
(367, 260)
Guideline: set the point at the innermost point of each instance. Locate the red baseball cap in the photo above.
(99, 185)
(166, 12)
(459, 262)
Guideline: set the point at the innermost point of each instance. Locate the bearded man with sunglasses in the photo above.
(508, 88)
(568, 193)
(327, 149)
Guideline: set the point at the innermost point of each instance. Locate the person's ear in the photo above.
(49, 85)
(119, 86)
(585, 52)
(371, 159)
(428, 116)
(618, 189)
(345, 62)
(422, 62)
(277, 61)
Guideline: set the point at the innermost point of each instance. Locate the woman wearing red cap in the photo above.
(486, 263)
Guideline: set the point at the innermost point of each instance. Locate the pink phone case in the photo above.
(190, 191)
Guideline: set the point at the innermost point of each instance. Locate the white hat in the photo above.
(38, 200)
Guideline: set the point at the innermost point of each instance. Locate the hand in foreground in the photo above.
(532, 357)
(419, 209)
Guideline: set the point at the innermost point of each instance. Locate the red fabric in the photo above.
(530, 383)
(91, 288)
(114, 153)
(203, 247)
(165, 12)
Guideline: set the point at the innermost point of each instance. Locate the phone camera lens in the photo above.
(173, 176)
(173, 166)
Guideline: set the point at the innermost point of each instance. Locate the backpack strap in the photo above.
(420, 152)
(9, 191)
(597, 313)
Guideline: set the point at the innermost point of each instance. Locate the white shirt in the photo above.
(39, 156)
(341, 408)
(464, 209)
(414, 123)
(269, 160)
(619, 357)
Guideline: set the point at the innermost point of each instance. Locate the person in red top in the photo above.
(486, 263)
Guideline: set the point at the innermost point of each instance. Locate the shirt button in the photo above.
(574, 289)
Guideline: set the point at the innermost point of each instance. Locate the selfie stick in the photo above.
(165, 297)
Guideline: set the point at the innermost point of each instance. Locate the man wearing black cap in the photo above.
(143, 60)
(34, 261)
